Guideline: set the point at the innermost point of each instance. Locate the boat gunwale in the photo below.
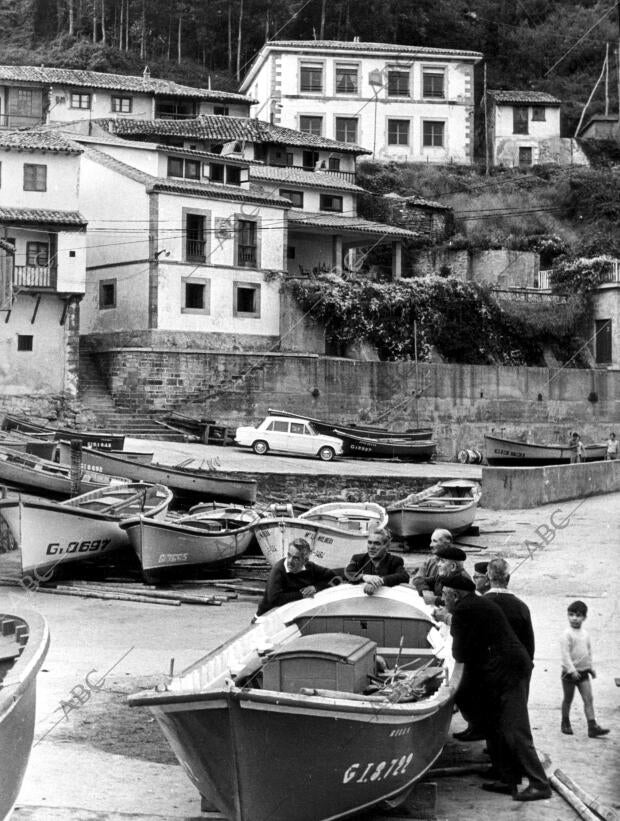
(163, 524)
(20, 674)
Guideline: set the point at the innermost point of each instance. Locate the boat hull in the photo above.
(170, 548)
(507, 453)
(42, 476)
(330, 429)
(347, 764)
(368, 447)
(407, 523)
(189, 486)
(17, 710)
(95, 439)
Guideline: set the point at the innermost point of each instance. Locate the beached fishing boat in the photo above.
(63, 450)
(15, 440)
(507, 452)
(189, 484)
(329, 428)
(335, 531)
(24, 640)
(209, 539)
(276, 725)
(451, 505)
(52, 534)
(368, 447)
(91, 438)
(28, 472)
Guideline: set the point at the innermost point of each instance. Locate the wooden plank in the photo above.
(591, 803)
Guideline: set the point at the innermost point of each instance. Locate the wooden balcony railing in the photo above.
(195, 250)
(34, 276)
(19, 120)
(246, 256)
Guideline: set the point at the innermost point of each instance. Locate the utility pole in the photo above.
(486, 120)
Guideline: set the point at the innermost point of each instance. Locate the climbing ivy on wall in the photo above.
(461, 320)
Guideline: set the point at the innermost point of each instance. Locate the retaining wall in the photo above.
(515, 488)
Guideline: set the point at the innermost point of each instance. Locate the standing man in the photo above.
(294, 578)
(425, 576)
(485, 643)
(377, 567)
(515, 610)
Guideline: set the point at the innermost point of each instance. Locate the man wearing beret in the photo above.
(493, 656)
(377, 567)
(425, 576)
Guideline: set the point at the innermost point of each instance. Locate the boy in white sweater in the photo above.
(577, 669)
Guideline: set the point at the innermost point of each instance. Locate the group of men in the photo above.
(491, 631)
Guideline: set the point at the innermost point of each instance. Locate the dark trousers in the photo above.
(509, 735)
(470, 698)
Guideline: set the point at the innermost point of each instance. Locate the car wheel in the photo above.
(260, 447)
(327, 454)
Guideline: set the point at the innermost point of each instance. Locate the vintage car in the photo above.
(287, 435)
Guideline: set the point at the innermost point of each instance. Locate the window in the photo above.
(216, 172)
(233, 175)
(525, 155)
(328, 202)
(433, 134)
(178, 167)
(174, 109)
(23, 101)
(195, 296)
(246, 302)
(433, 84)
(79, 100)
(311, 125)
(334, 164)
(311, 78)
(290, 252)
(278, 427)
(35, 177)
(247, 256)
(398, 132)
(290, 158)
(309, 159)
(122, 105)
(195, 242)
(37, 254)
(519, 121)
(298, 428)
(296, 197)
(603, 341)
(221, 110)
(539, 113)
(24, 342)
(346, 79)
(107, 294)
(346, 129)
(398, 82)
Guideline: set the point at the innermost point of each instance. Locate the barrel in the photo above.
(470, 457)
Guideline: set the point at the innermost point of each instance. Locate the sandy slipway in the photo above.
(103, 760)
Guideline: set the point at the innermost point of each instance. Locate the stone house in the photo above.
(42, 264)
(30, 95)
(523, 129)
(400, 102)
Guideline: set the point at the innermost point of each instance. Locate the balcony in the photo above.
(34, 276)
(246, 256)
(19, 121)
(195, 250)
(612, 276)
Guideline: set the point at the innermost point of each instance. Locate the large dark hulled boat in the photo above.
(24, 639)
(274, 725)
(330, 428)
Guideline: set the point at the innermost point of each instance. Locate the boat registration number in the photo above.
(170, 558)
(87, 546)
(360, 773)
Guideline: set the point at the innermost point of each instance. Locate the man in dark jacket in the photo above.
(294, 578)
(516, 611)
(492, 654)
(377, 567)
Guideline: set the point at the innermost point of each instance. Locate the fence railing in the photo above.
(34, 276)
(610, 276)
(19, 120)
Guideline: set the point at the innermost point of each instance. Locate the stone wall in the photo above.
(500, 268)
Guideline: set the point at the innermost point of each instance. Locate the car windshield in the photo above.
(311, 430)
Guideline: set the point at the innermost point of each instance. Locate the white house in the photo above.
(523, 128)
(42, 264)
(401, 102)
(30, 95)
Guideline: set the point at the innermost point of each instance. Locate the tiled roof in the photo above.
(38, 141)
(40, 215)
(7, 246)
(189, 152)
(288, 176)
(227, 129)
(421, 202)
(350, 45)
(349, 224)
(183, 186)
(115, 82)
(524, 97)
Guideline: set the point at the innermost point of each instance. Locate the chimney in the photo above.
(146, 74)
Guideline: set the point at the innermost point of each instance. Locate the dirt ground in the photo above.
(104, 760)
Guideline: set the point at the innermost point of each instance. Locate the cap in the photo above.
(481, 567)
(457, 581)
(451, 552)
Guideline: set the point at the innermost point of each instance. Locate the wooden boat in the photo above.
(334, 531)
(508, 452)
(188, 484)
(24, 641)
(51, 534)
(451, 505)
(15, 440)
(93, 438)
(143, 457)
(367, 447)
(329, 428)
(28, 472)
(274, 724)
(208, 539)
